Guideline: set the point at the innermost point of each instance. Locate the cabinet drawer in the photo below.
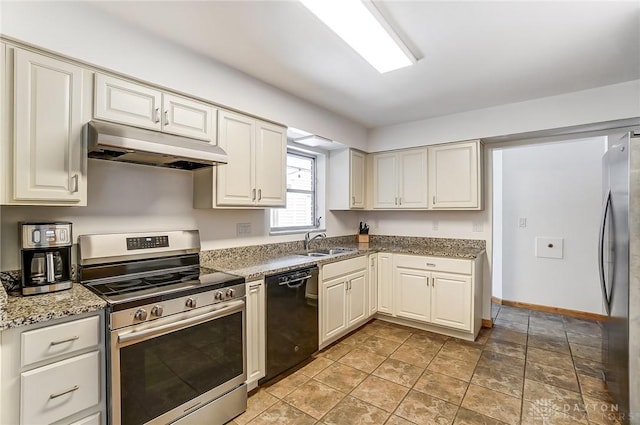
(45, 343)
(89, 420)
(451, 265)
(55, 391)
(340, 268)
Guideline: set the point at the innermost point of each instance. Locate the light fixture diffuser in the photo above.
(359, 28)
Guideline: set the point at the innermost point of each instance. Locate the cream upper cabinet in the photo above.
(455, 176)
(135, 104)
(43, 97)
(400, 179)
(346, 179)
(256, 332)
(255, 175)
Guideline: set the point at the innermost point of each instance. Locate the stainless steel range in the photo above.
(176, 330)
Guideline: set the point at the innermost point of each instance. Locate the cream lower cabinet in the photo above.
(344, 298)
(43, 157)
(255, 174)
(444, 294)
(256, 332)
(54, 372)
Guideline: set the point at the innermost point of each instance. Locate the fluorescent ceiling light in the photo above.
(367, 34)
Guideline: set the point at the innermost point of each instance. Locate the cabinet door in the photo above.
(255, 331)
(357, 178)
(373, 284)
(454, 176)
(271, 165)
(451, 300)
(357, 297)
(413, 179)
(385, 184)
(385, 283)
(188, 118)
(48, 153)
(413, 300)
(236, 135)
(334, 308)
(127, 103)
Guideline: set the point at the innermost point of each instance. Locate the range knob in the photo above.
(140, 314)
(230, 292)
(191, 302)
(157, 311)
(218, 295)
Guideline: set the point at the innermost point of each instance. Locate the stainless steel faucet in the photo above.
(307, 240)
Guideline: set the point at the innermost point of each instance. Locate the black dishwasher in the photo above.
(292, 319)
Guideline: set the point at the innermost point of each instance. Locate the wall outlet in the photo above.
(547, 247)
(522, 222)
(436, 224)
(477, 227)
(243, 229)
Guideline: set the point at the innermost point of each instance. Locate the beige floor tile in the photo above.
(461, 350)
(469, 417)
(256, 404)
(586, 352)
(542, 413)
(507, 348)
(394, 334)
(363, 360)
(352, 411)
(316, 366)
(341, 377)
(397, 420)
(492, 404)
(314, 398)
(421, 408)
(426, 339)
(483, 336)
(545, 396)
(594, 388)
(550, 358)
(601, 412)
(442, 386)
(452, 367)
(380, 393)
(560, 377)
(415, 355)
(508, 335)
(378, 345)
(588, 367)
(287, 384)
(282, 413)
(497, 381)
(335, 352)
(502, 363)
(355, 339)
(399, 372)
(550, 343)
(582, 339)
(547, 331)
(510, 325)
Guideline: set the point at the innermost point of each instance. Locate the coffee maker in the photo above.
(46, 256)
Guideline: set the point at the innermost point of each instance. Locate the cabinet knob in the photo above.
(74, 179)
(166, 117)
(431, 264)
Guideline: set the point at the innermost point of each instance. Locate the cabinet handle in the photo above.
(166, 117)
(60, 394)
(433, 282)
(431, 265)
(259, 194)
(434, 200)
(73, 338)
(157, 116)
(257, 285)
(353, 200)
(74, 179)
(400, 200)
(396, 200)
(253, 194)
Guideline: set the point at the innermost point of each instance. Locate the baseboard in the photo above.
(557, 310)
(487, 323)
(496, 300)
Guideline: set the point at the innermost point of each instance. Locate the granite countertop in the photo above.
(17, 310)
(255, 262)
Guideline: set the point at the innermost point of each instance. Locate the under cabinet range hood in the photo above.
(123, 143)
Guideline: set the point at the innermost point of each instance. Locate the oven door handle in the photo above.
(142, 335)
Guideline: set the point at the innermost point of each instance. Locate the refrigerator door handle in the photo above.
(603, 223)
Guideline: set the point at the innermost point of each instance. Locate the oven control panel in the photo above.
(146, 242)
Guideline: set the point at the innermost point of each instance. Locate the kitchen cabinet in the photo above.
(130, 103)
(255, 174)
(373, 284)
(54, 372)
(400, 179)
(440, 294)
(346, 179)
(344, 298)
(43, 157)
(455, 176)
(256, 332)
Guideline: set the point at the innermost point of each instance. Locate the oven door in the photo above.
(167, 368)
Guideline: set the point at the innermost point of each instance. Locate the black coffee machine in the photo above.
(46, 256)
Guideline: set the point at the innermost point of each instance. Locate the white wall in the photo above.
(557, 187)
(618, 101)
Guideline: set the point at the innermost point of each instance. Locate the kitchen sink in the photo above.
(327, 252)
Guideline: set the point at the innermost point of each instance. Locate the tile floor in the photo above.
(531, 368)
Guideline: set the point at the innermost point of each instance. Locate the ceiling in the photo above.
(474, 54)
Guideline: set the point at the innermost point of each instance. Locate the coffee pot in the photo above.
(45, 256)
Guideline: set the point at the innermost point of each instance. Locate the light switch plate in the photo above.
(522, 222)
(547, 247)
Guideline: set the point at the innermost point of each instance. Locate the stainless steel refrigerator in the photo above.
(619, 256)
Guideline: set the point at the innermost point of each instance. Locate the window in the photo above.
(300, 213)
